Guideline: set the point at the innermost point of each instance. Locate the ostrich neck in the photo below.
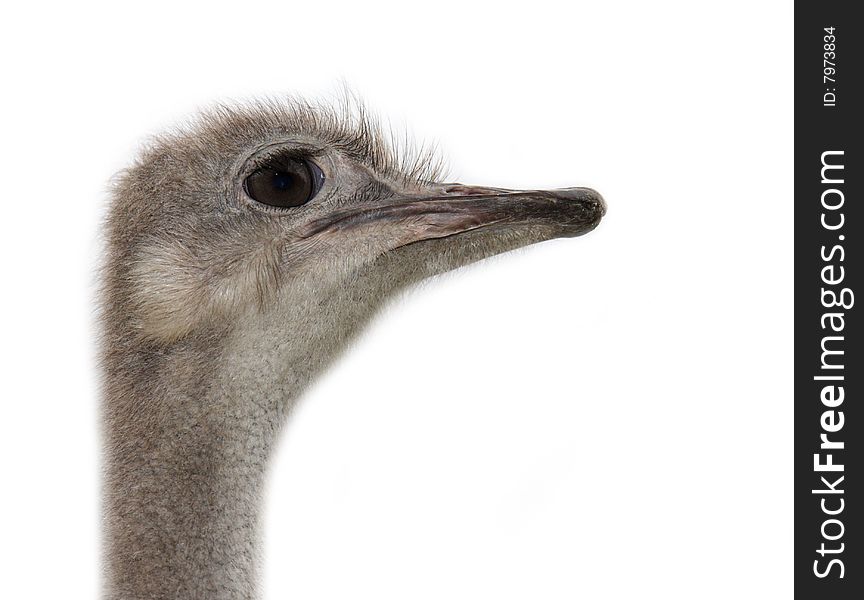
(189, 434)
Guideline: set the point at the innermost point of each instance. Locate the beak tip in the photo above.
(587, 197)
(588, 208)
(601, 204)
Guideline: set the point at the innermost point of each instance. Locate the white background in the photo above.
(604, 417)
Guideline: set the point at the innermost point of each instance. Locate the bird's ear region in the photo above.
(178, 287)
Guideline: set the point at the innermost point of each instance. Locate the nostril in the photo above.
(461, 189)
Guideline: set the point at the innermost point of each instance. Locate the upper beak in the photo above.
(450, 209)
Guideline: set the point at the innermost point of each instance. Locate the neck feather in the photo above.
(189, 431)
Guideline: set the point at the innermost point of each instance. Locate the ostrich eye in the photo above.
(284, 182)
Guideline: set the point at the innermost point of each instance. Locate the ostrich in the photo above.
(244, 251)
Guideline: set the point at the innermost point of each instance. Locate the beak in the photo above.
(451, 209)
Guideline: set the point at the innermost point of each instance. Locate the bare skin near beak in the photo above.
(452, 209)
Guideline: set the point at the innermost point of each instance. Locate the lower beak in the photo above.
(451, 209)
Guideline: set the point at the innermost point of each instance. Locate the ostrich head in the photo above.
(243, 252)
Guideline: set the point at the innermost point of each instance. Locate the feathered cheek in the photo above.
(177, 291)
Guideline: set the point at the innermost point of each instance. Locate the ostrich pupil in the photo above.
(282, 181)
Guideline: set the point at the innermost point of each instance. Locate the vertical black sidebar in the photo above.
(829, 373)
